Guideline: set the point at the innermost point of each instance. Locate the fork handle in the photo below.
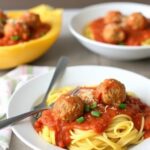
(12, 120)
(60, 68)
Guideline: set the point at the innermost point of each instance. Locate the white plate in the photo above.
(93, 12)
(24, 98)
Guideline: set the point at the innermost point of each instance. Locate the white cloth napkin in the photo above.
(8, 84)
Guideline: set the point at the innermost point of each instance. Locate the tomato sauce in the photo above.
(40, 31)
(134, 108)
(133, 37)
(34, 34)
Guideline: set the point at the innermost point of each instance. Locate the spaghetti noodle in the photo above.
(115, 128)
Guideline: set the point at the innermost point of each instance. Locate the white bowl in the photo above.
(24, 98)
(90, 13)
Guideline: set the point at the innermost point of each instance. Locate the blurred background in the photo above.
(23, 4)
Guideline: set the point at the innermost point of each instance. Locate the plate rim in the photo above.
(28, 143)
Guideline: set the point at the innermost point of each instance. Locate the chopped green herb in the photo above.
(15, 38)
(87, 108)
(95, 113)
(80, 120)
(121, 43)
(94, 105)
(42, 33)
(122, 106)
(2, 20)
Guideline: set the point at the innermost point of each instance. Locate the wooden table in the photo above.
(67, 45)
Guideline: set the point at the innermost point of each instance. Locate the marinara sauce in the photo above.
(34, 34)
(134, 108)
(133, 37)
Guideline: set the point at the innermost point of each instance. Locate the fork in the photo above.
(60, 68)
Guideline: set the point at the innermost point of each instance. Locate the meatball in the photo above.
(31, 19)
(1, 30)
(136, 21)
(113, 33)
(16, 30)
(113, 17)
(111, 92)
(3, 17)
(147, 123)
(87, 95)
(68, 108)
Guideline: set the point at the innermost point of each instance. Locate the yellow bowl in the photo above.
(12, 56)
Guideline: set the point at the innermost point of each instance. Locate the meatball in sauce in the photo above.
(68, 107)
(113, 33)
(113, 17)
(3, 17)
(111, 91)
(25, 28)
(31, 19)
(120, 29)
(136, 21)
(16, 29)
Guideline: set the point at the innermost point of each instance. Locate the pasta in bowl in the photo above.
(119, 42)
(99, 117)
(85, 77)
(119, 29)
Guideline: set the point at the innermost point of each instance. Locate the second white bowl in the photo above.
(90, 13)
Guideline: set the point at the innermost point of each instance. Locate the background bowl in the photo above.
(88, 14)
(24, 98)
(12, 56)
